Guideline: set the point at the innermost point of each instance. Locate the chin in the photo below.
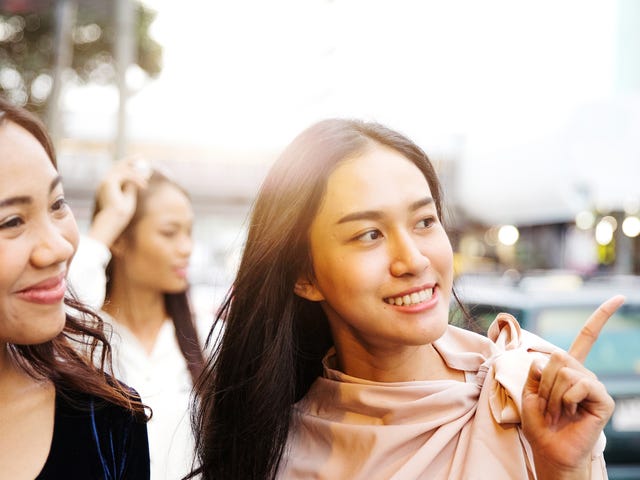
(40, 337)
(433, 331)
(176, 289)
(57, 328)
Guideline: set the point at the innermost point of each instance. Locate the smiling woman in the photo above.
(62, 416)
(32, 207)
(378, 216)
(337, 360)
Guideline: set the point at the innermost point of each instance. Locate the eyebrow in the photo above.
(23, 200)
(377, 215)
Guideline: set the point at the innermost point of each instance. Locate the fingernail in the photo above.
(143, 167)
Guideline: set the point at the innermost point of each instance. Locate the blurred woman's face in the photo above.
(156, 257)
(382, 262)
(38, 237)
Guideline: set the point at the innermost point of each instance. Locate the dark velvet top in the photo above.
(93, 439)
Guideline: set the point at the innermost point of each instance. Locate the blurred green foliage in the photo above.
(27, 46)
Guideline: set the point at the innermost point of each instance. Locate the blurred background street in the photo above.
(531, 111)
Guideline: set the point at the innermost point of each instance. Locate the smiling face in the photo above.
(38, 237)
(156, 254)
(382, 262)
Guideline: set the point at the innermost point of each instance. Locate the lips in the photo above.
(181, 271)
(46, 292)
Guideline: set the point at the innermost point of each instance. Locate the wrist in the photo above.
(108, 225)
(551, 471)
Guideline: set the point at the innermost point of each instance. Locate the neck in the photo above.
(4, 357)
(8, 368)
(141, 310)
(13, 380)
(404, 364)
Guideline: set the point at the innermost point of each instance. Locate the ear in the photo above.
(306, 289)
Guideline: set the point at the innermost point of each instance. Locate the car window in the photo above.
(615, 353)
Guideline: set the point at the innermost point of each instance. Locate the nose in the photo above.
(185, 244)
(53, 245)
(406, 256)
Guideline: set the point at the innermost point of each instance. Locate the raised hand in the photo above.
(565, 407)
(116, 197)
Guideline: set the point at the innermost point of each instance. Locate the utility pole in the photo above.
(124, 56)
(65, 17)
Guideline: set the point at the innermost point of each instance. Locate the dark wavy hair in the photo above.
(176, 304)
(273, 341)
(78, 359)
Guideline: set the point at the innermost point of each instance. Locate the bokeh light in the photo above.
(508, 235)
(631, 226)
(585, 220)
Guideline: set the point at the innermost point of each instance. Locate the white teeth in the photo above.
(415, 297)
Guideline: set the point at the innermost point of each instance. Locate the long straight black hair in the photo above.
(273, 341)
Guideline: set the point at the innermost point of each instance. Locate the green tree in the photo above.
(28, 47)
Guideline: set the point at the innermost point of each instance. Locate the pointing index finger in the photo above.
(591, 329)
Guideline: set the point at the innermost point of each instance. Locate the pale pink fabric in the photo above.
(350, 428)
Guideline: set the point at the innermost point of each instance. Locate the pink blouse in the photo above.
(350, 428)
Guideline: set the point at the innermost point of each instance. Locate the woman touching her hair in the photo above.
(337, 360)
(61, 414)
(132, 265)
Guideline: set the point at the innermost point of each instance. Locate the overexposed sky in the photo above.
(253, 73)
(524, 93)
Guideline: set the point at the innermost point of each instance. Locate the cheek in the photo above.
(447, 254)
(442, 252)
(325, 278)
(149, 245)
(72, 234)
(442, 261)
(345, 277)
(14, 258)
(149, 258)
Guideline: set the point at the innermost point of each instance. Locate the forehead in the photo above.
(168, 200)
(23, 160)
(379, 178)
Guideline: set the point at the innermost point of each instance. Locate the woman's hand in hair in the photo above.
(116, 198)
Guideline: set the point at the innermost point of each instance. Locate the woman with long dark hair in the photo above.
(61, 414)
(337, 360)
(133, 265)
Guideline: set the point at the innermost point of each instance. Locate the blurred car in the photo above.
(555, 306)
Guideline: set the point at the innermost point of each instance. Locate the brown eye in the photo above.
(11, 222)
(369, 236)
(59, 204)
(425, 222)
